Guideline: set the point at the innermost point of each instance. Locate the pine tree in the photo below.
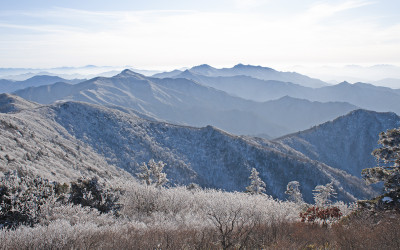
(160, 178)
(388, 158)
(323, 194)
(152, 173)
(145, 174)
(293, 191)
(257, 186)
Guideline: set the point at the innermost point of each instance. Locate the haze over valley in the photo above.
(245, 124)
(208, 124)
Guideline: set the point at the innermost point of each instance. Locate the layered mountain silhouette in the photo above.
(258, 72)
(247, 87)
(363, 95)
(51, 140)
(254, 87)
(107, 126)
(8, 86)
(187, 102)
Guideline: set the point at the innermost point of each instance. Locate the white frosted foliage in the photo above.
(293, 191)
(257, 186)
(323, 194)
(152, 173)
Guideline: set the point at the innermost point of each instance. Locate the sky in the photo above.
(163, 35)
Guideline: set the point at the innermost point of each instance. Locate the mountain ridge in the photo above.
(8, 86)
(345, 143)
(176, 100)
(207, 156)
(250, 88)
(258, 72)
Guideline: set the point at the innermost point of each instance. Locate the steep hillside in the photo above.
(345, 143)
(31, 140)
(10, 103)
(51, 140)
(207, 156)
(187, 102)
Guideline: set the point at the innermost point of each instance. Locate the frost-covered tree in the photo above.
(145, 174)
(388, 158)
(323, 194)
(257, 186)
(91, 193)
(293, 191)
(152, 173)
(22, 197)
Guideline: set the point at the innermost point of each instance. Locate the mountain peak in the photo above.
(346, 142)
(130, 73)
(204, 69)
(364, 112)
(44, 76)
(239, 65)
(202, 66)
(187, 73)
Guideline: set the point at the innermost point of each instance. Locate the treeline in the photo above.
(89, 213)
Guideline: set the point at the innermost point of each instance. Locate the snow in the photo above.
(387, 199)
(177, 100)
(66, 140)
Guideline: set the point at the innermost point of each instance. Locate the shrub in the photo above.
(22, 197)
(91, 193)
(327, 215)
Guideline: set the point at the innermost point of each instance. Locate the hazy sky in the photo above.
(170, 34)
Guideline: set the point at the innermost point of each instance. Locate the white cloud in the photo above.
(152, 39)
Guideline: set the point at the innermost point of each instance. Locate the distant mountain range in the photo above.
(106, 126)
(246, 87)
(380, 75)
(51, 140)
(8, 86)
(70, 73)
(358, 94)
(388, 82)
(184, 101)
(363, 95)
(257, 72)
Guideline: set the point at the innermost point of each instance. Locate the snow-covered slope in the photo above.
(10, 103)
(31, 140)
(345, 143)
(187, 102)
(70, 139)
